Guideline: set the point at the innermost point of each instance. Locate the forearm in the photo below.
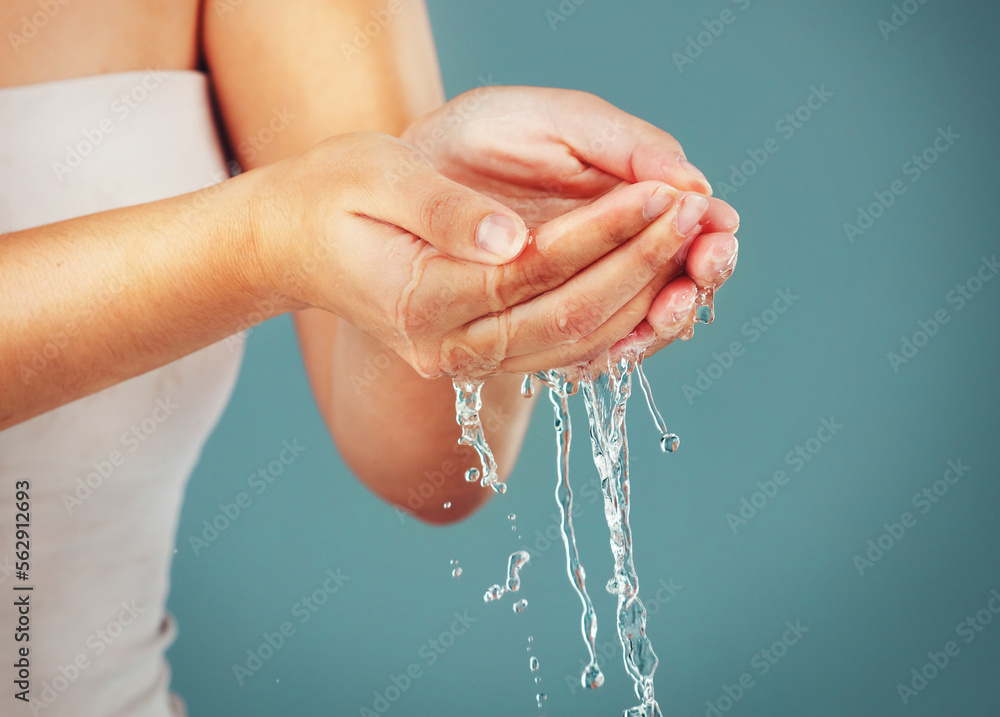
(398, 432)
(395, 430)
(92, 301)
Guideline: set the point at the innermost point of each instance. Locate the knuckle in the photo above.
(509, 284)
(438, 212)
(653, 253)
(576, 319)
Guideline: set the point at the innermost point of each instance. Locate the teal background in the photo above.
(825, 357)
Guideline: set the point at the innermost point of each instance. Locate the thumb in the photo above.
(455, 219)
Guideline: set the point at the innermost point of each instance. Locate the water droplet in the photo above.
(526, 388)
(278, 680)
(494, 593)
(511, 516)
(518, 559)
(530, 638)
(540, 699)
(533, 664)
(456, 572)
(472, 475)
(447, 505)
(454, 562)
(670, 443)
(705, 301)
(513, 527)
(520, 605)
(592, 677)
(537, 680)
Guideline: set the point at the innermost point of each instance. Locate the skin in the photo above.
(358, 230)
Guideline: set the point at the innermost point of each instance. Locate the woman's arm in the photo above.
(89, 302)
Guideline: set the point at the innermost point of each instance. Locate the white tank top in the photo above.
(106, 472)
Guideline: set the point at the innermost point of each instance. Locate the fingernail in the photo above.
(695, 172)
(499, 235)
(693, 208)
(657, 204)
(723, 257)
(680, 305)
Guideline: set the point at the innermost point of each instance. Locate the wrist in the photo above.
(259, 237)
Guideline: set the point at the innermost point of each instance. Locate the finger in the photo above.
(644, 340)
(721, 217)
(593, 346)
(672, 311)
(623, 145)
(451, 217)
(576, 309)
(712, 259)
(670, 315)
(560, 249)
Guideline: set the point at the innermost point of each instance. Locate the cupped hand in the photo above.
(346, 229)
(544, 152)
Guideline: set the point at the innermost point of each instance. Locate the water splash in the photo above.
(606, 396)
(669, 442)
(468, 403)
(517, 560)
(559, 392)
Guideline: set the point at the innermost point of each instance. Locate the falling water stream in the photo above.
(605, 396)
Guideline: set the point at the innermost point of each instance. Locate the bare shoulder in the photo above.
(45, 40)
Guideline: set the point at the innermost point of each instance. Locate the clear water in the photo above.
(468, 403)
(559, 392)
(669, 442)
(527, 390)
(517, 560)
(705, 303)
(606, 396)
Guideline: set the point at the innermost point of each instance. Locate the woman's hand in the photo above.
(544, 152)
(374, 234)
